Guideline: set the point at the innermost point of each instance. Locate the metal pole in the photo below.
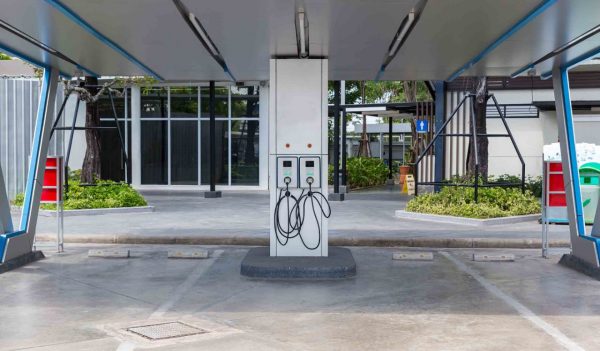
(112, 103)
(212, 148)
(344, 148)
(514, 143)
(60, 111)
(66, 168)
(475, 148)
(336, 137)
(422, 154)
(390, 130)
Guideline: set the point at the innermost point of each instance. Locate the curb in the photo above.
(465, 221)
(454, 243)
(93, 212)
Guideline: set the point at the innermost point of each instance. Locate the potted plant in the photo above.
(405, 168)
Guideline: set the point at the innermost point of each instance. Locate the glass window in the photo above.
(244, 152)
(154, 152)
(184, 102)
(244, 101)
(105, 107)
(222, 152)
(154, 102)
(221, 98)
(184, 152)
(112, 158)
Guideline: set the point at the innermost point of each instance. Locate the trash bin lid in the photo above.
(590, 167)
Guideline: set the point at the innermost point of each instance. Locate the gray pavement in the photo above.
(366, 215)
(72, 302)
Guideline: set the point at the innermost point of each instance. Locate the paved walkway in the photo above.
(73, 302)
(365, 218)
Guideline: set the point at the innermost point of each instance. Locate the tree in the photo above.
(481, 97)
(92, 165)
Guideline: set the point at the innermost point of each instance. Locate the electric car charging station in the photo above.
(293, 49)
(298, 151)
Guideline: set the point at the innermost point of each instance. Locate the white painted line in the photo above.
(526, 313)
(175, 296)
(412, 256)
(494, 257)
(198, 253)
(109, 253)
(183, 288)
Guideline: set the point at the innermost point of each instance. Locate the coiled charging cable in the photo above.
(296, 214)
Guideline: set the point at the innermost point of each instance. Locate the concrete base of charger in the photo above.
(338, 265)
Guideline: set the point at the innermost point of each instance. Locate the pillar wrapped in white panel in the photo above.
(298, 134)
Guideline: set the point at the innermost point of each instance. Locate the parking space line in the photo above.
(175, 296)
(526, 313)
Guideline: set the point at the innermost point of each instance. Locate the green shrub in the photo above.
(363, 172)
(493, 202)
(105, 194)
(533, 184)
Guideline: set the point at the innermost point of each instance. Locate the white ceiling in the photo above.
(353, 34)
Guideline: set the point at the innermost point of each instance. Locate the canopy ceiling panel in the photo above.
(451, 33)
(154, 32)
(559, 24)
(349, 32)
(41, 21)
(354, 34)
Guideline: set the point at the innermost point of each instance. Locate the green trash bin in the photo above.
(589, 176)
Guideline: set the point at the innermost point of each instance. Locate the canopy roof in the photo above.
(153, 37)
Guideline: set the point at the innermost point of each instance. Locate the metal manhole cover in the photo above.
(166, 330)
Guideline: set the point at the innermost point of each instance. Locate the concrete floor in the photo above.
(72, 302)
(365, 214)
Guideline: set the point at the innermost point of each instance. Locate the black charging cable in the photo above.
(296, 215)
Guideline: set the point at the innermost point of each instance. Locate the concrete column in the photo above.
(136, 137)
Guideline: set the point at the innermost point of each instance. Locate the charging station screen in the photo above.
(287, 163)
(310, 163)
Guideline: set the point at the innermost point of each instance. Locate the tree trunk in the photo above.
(481, 122)
(91, 169)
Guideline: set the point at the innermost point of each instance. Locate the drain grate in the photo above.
(166, 330)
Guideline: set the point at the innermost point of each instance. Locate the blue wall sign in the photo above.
(422, 126)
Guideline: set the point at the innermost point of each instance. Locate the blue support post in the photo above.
(18, 243)
(440, 117)
(584, 247)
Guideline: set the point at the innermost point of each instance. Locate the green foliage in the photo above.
(105, 194)
(493, 202)
(533, 184)
(365, 172)
(4, 57)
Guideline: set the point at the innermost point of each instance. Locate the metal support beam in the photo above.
(583, 246)
(344, 148)
(390, 144)
(438, 147)
(543, 6)
(6, 224)
(336, 137)
(19, 243)
(212, 150)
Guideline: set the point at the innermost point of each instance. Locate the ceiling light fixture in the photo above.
(302, 33)
(401, 34)
(406, 26)
(194, 23)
